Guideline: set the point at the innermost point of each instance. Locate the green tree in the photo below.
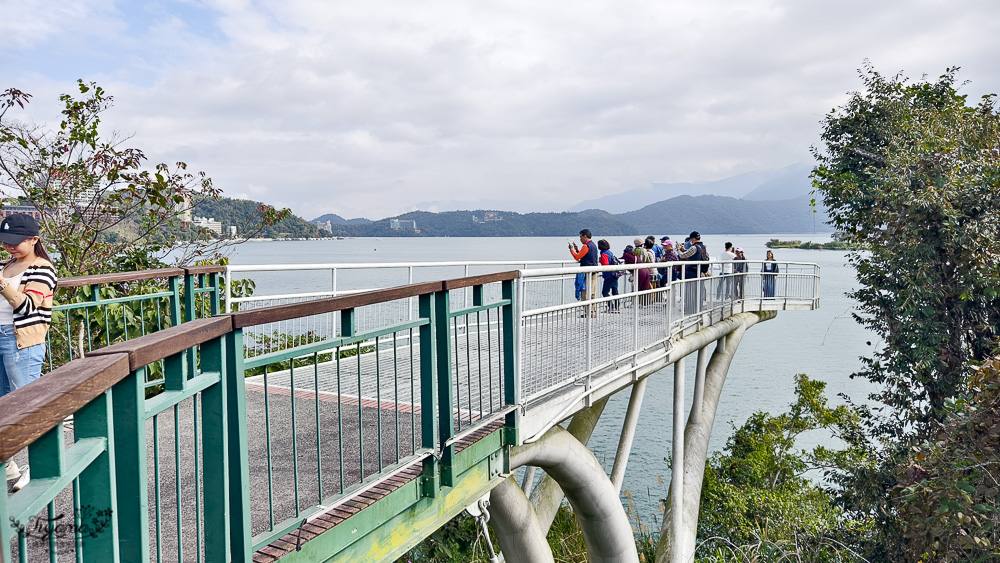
(948, 488)
(910, 173)
(103, 209)
(756, 492)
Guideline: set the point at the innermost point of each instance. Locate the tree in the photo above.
(948, 489)
(757, 492)
(102, 208)
(910, 174)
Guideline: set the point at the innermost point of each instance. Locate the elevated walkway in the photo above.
(334, 425)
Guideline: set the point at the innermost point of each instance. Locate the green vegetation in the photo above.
(244, 215)
(103, 210)
(832, 245)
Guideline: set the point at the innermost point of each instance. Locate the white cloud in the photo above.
(369, 108)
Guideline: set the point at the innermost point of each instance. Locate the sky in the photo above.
(375, 108)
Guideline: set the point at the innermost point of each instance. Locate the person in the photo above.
(674, 272)
(726, 284)
(642, 256)
(27, 282)
(610, 286)
(588, 255)
(769, 275)
(739, 271)
(693, 291)
(628, 257)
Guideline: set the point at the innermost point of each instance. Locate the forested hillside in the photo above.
(242, 213)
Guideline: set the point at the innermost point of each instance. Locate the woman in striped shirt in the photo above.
(27, 282)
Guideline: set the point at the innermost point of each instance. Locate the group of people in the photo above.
(27, 283)
(647, 251)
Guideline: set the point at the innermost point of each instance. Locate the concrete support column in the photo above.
(699, 386)
(680, 526)
(628, 434)
(605, 526)
(547, 496)
(677, 465)
(517, 529)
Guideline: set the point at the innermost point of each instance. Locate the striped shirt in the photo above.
(31, 302)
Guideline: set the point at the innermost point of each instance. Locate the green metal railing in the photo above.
(97, 311)
(187, 471)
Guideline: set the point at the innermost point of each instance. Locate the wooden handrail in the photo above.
(120, 277)
(147, 349)
(31, 411)
(484, 279)
(209, 269)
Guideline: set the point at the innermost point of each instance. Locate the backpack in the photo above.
(614, 261)
(702, 255)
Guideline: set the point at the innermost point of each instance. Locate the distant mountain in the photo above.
(244, 213)
(773, 185)
(678, 215)
(488, 223)
(736, 186)
(335, 219)
(716, 214)
(793, 182)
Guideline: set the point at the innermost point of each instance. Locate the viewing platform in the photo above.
(337, 420)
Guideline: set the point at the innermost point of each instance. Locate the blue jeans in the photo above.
(18, 367)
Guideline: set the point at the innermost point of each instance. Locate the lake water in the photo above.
(824, 344)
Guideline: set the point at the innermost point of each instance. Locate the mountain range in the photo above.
(753, 203)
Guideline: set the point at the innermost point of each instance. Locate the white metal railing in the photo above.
(563, 345)
(563, 342)
(281, 284)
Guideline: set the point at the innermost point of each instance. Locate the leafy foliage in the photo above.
(103, 210)
(911, 173)
(756, 491)
(948, 492)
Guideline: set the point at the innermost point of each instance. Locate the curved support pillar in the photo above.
(513, 519)
(547, 496)
(606, 529)
(696, 438)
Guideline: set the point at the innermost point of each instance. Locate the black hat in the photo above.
(695, 235)
(16, 227)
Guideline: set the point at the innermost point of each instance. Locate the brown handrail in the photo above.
(120, 277)
(46, 402)
(147, 349)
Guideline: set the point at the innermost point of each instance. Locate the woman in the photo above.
(770, 269)
(628, 257)
(27, 282)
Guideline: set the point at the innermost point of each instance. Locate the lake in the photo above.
(824, 344)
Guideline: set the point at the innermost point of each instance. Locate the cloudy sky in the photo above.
(379, 107)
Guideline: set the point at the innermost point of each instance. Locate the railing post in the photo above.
(446, 403)
(238, 463)
(7, 530)
(430, 483)
(97, 482)
(128, 398)
(214, 294)
(215, 460)
(511, 358)
(175, 301)
(189, 310)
